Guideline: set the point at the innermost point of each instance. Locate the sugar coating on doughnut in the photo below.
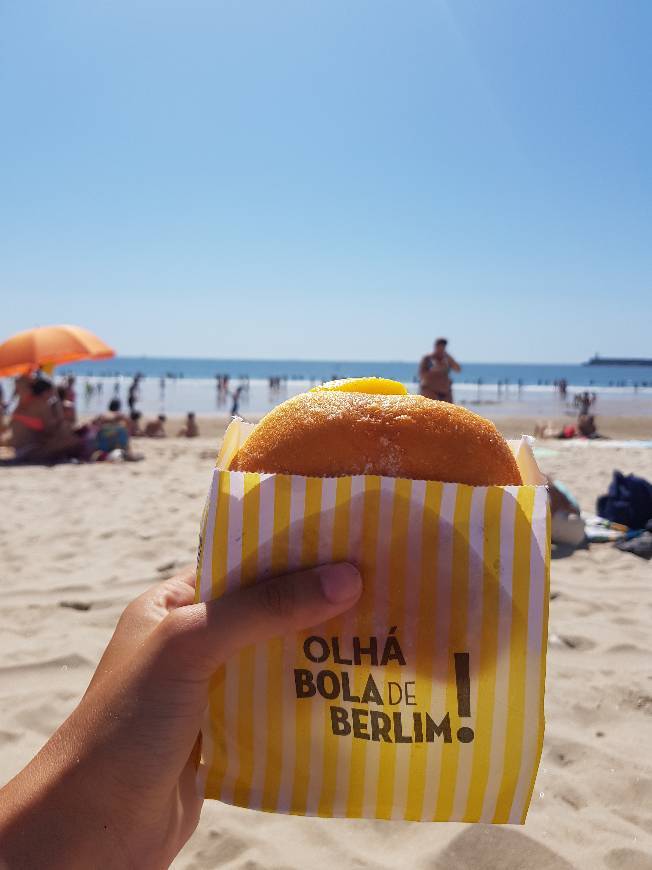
(331, 433)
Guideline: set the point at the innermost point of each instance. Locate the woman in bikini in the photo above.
(434, 373)
(39, 432)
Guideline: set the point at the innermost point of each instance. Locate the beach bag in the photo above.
(425, 700)
(628, 501)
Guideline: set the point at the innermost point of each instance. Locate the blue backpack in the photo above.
(628, 501)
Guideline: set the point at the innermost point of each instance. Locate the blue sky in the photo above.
(329, 179)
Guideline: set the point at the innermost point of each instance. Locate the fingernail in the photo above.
(340, 582)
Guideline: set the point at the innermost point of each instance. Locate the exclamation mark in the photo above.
(464, 734)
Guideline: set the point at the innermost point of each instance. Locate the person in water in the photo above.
(434, 373)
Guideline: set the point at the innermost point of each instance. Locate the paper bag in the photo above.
(425, 700)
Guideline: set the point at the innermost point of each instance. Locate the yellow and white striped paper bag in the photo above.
(423, 702)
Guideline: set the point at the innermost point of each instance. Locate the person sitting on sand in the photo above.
(568, 431)
(67, 406)
(25, 426)
(39, 431)
(567, 525)
(133, 426)
(156, 428)
(190, 430)
(3, 408)
(586, 426)
(546, 430)
(434, 373)
(111, 432)
(113, 416)
(69, 387)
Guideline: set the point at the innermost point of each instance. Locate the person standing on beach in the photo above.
(235, 395)
(133, 395)
(434, 373)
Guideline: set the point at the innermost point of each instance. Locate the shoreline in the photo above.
(178, 396)
(613, 427)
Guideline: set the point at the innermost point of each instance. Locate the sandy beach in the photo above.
(78, 542)
(621, 427)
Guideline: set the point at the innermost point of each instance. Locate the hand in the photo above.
(115, 785)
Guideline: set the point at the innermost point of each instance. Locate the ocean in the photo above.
(320, 370)
(175, 385)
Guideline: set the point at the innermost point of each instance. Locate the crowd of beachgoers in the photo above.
(40, 424)
(43, 420)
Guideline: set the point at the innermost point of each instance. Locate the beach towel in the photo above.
(628, 501)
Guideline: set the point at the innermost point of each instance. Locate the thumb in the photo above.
(203, 636)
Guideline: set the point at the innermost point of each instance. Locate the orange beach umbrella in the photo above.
(49, 346)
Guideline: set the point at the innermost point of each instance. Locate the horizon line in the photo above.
(412, 361)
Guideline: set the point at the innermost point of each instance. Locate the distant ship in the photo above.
(598, 360)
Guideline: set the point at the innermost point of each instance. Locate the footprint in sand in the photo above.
(76, 605)
(227, 848)
(564, 753)
(44, 718)
(639, 701)
(73, 660)
(570, 641)
(64, 555)
(642, 822)
(485, 847)
(632, 859)
(79, 587)
(623, 620)
(626, 648)
(572, 797)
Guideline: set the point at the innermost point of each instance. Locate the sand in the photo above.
(78, 542)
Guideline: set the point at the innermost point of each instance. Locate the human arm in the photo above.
(453, 363)
(114, 787)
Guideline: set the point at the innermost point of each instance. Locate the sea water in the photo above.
(175, 386)
(320, 370)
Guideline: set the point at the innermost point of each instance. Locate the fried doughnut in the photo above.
(331, 433)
